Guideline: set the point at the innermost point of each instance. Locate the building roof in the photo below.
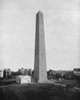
(24, 76)
(76, 69)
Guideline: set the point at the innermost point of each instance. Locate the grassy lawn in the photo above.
(38, 91)
(73, 83)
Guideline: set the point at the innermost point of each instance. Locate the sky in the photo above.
(17, 33)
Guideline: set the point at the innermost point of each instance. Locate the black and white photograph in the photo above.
(39, 50)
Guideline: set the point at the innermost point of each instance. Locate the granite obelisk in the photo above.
(40, 68)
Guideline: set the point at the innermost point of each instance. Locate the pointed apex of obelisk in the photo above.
(39, 12)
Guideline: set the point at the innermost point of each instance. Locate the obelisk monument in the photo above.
(40, 68)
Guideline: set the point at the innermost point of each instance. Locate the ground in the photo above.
(38, 91)
(73, 83)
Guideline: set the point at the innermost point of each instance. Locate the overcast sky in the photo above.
(17, 33)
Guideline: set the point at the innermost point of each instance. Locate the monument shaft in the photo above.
(40, 68)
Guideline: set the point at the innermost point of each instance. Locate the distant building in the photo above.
(7, 73)
(21, 79)
(76, 71)
(1, 73)
(29, 72)
(23, 71)
(26, 72)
